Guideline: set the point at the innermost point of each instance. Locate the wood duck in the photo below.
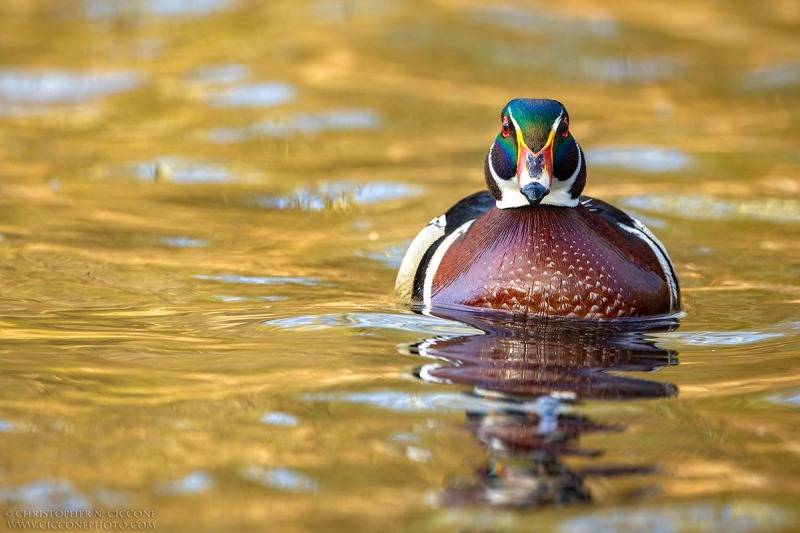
(532, 244)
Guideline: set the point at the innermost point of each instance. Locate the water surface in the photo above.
(203, 206)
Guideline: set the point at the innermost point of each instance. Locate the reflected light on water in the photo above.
(47, 493)
(224, 74)
(279, 478)
(301, 124)
(704, 207)
(528, 20)
(279, 419)
(779, 76)
(104, 9)
(528, 370)
(338, 195)
(264, 94)
(203, 205)
(742, 516)
(640, 158)
(194, 483)
(25, 91)
(172, 169)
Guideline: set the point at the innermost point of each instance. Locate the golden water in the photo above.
(203, 205)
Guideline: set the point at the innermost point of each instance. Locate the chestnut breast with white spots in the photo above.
(551, 261)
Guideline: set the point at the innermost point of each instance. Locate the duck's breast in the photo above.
(548, 261)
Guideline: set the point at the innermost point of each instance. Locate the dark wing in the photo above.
(635, 232)
(470, 208)
(607, 212)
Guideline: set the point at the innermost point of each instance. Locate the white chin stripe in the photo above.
(560, 198)
(512, 199)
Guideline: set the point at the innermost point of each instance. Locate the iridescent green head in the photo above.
(534, 159)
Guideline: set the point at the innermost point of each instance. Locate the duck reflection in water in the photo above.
(527, 375)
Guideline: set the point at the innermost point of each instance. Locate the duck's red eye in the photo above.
(506, 127)
(565, 127)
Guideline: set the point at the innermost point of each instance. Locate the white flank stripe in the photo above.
(436, 260)
(647, 236)
(404, 284)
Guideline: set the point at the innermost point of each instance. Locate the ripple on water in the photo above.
(786, 399)
(178, 170)
(725, 517)
(263, 94)
(184, 242)
(278, 478)
(195, 483)
(337, 195)
(640, 158)
(111, 9)
(722, 338)
(277, 418)
(45, 87)
(396, 321)
(779, 76)
(223, 74)
(538, 21)
(172, 8)
(111, 499)
(263, 280)
(446, 401)
(301, 124)
(705, 207)
(391, 257)
(616, 70)
(45, 494)
(229, 298)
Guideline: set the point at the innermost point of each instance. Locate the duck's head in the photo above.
(534, 159)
